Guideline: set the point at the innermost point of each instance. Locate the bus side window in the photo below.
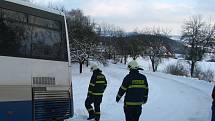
(45, 43)
(12, 39)
(28, 36)
(44, 22)
(14, 16)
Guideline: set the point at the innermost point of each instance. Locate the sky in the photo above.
(133, 15)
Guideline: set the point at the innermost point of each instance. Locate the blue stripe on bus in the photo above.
(16, 111)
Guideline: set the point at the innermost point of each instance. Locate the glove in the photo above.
(117, 99)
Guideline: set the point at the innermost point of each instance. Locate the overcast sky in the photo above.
(133, 14)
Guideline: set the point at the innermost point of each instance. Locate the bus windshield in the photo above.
(29, 36)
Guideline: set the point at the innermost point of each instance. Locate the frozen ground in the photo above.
(171, 98)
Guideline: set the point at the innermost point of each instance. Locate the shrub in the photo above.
(197, 73)
(176, 69)
(204, 75)
(208, 76)
(212, 59)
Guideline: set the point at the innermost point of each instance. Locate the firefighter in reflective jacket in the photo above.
(96, 89)
(136, 88)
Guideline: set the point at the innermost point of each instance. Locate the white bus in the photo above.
(35, 80)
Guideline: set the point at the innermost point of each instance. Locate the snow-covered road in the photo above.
(175, 100)
(171, 98)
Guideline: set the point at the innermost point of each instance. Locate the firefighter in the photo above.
(135, 88)
(96, 89)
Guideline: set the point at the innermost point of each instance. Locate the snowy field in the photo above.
(171, 98)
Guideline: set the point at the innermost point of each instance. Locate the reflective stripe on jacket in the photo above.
(135, 88)
(98, 83)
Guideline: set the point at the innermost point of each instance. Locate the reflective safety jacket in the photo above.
(97, 84)
(213, 96)
(135, 86)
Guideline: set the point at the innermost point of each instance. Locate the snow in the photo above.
(171, 98)
(203, 65)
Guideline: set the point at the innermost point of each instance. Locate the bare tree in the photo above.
(156, 48)
(121, 45)
(108, 35)
(196, 33)
(83, 37)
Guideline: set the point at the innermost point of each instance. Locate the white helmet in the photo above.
(133, 65)
(93, 67)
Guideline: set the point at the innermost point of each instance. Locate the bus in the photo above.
(35, 78)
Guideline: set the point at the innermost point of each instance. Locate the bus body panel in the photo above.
(20, 71)
(16, 111)
(56, 69)
(15, 93)
(14, 71)
(15, 103)
(16, 96)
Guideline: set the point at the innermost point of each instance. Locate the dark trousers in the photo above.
(132, 113)
(96, 100)
(213, 113)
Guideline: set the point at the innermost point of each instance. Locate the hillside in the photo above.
(174, 45)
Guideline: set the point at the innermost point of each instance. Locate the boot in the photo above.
(97, 118)
(91, 116)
